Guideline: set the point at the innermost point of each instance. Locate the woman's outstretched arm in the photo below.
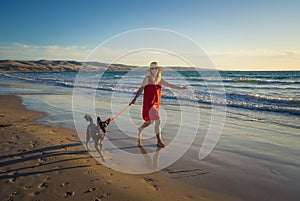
(167, 84)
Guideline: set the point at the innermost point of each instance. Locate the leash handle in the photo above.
(123, 110)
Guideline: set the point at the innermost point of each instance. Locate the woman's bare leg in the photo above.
(145, 125)
(158, 134)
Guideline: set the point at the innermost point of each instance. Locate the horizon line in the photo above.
(219, 69)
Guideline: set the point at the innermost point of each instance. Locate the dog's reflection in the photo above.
(152, 163)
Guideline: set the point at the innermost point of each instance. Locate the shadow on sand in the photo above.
(12, 164)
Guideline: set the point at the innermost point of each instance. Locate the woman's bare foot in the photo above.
(160, 144)
(159, 141)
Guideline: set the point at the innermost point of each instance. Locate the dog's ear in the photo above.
(107, 121)
(98, 119)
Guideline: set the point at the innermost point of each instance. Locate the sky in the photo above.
(235, 34)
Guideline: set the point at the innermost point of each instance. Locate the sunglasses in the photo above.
(154, 68)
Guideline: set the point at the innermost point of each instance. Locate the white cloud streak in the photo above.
(20, 51)
(240, 59)
(256, 53)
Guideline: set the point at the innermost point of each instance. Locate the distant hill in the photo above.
(38, 66)
(58, 66)
(66, 66)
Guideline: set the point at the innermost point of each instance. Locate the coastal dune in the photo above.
(47, 162)
(59, 66)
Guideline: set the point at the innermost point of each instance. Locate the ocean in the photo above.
(257, 153)
(263, 96)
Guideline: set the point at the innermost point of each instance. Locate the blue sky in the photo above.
(236, 34)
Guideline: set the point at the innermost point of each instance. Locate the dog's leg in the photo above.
(101, 140)
(88, 137)
(99, 145)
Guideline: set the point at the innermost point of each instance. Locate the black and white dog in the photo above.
(93, 131)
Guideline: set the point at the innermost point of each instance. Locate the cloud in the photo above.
(21, 51)
(262, 59)
(255, 53)
(293, 53)
(139, 57)
(257, 59)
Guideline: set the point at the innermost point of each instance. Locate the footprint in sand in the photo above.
(27, 187)
(11, 197)
(43, 185)
(90, 190)
(22, 150)
(105, 195)
(33, 144)
(36, 193)
(95, 180)
(109, 182)
(69, 194)
(91, 171)
(148, 180)
(66, 184)
(151, 185)
(274, 171)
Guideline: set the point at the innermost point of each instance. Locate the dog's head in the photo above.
(88, 118)
(103, 124)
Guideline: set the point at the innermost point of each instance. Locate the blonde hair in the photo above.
(157, 78)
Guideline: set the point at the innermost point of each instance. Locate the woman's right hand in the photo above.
(132, 102)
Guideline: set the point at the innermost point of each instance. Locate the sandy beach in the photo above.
(42, 156)
(219, 80)
(42, 162)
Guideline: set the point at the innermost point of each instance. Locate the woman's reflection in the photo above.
(152, 163)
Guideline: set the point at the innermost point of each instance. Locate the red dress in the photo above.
(151, 103)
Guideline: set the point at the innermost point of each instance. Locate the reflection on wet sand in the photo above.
(152, 163)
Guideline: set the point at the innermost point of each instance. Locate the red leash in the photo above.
(123, 110)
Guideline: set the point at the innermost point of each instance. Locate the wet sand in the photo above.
(42, 162)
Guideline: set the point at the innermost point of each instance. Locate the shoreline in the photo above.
(39, 162)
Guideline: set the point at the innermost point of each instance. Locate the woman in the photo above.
(152, 87)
